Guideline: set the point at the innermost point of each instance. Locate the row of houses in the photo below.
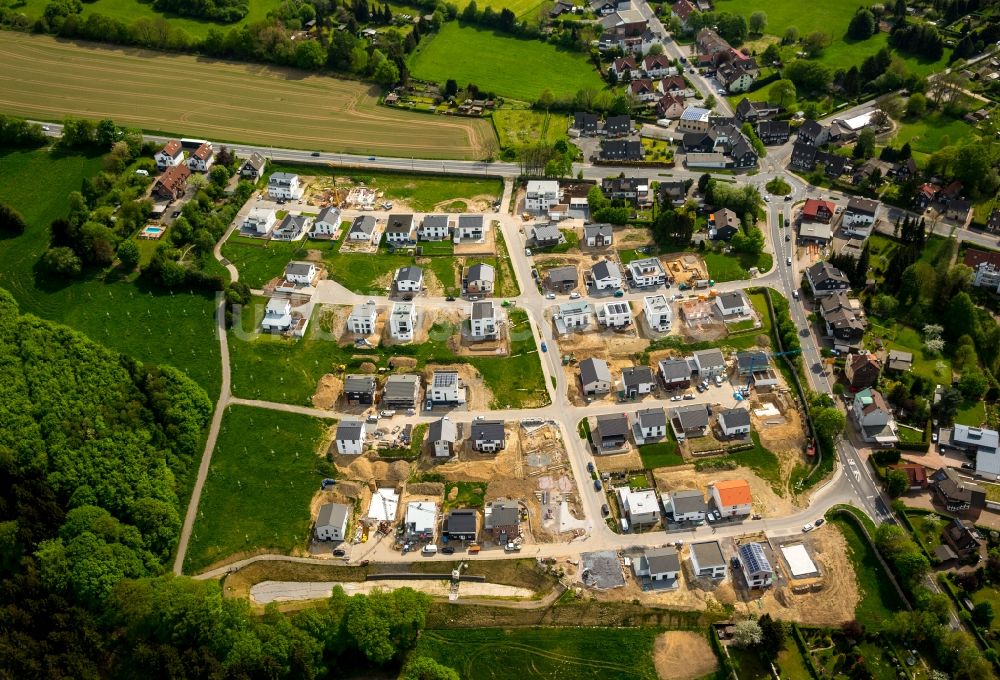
(730, 499)
(714, 142)
(172, 155)
(661, 567)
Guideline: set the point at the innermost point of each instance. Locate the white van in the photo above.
(429, 549)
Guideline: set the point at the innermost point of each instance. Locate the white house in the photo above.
(331, 521)
(659, 312)
(402, 321)
(442, 434)
(709, 363)
(480, 278)
(284, 186)
(260, 221)
(300, 272)
(650, 425)
(615, 314)
(470, 228)
(363, 318)
(658, 564)
(446, 388)
(327, 223)
(434, 228)
(488, 436)
(688, 505)
(171, 155)
(277, 315)
(636, 381)
(574, 316)
(639, 506)
(732, 304)
(859, 216)
(753, 562)
(734, 422)
(707, 560)
(541, 195)
(362, 229)
(202, 158)
(606, 275)
(409, 279)
(351, 437)
(595, 376)
(874, 418)
(646, 272)
(420, 520)
(483, 320)
(732, 497)
(598, 235)
(983, 443)
(253, 167)
(399, 230)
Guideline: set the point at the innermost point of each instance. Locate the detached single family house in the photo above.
(733, 304)
(480, 279)
(435, 228)
(734, 422)
(399, 230)
(689, 421)
(640, 506)
(362, 229)
(659, 312)
(327, 223)
(462, 525)
(688, 505)
(300, 272)
(483, 321)
(359, 389)
(615, 314)
(606, 275)
(409, 279)
(636, 381)
(420, 520)
(732, 497)
(676, 374)
(401, 391)
(402, 321)
(610, 433)
(171, 155)
(363, 318)
(446, 388)
(442, 435)
(650, 425)
(874, 418)
(253, 168)
(202, 158)
(598, 235)
(488, 436)
(660, 565)
(707, 560)
(470, 228)
(755, 566)
(351, 437)
(277, 315)
(260, 221)
(331, 522)
(595, 376)
(825, 279)
(284, 186)
(709, 363)
(541, 195)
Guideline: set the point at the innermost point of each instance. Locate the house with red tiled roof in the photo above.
(818, 211)
(170, 155)
(670, 106)
(862, 370)
(202, 158)
(915, 473)
(732, 497)
(172, 184)
(985, 265)
(682, 9)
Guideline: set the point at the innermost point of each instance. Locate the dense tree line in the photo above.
(921, 39)
(17, 132)
(225, 11)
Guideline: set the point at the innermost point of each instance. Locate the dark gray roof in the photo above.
(488, 430)
(862, 206)
(732, 299)
(401, 386)
(298, 268)
(442, 430)
(547, 232)
(824, 271)
(332, 514)
(410, 273)
(675, 369)
(662, 560)
(709, 554)
(482, 310)
(481, 272)
(651, 417)
(431, 221)
(751, 361)
(503, 514)
(363, 223)
(684, 501)
(359, 383)
(562, 275)
(293, 222)
(597, 230)
(692, 417)
(592, 370)
(614, 425)
(735, 417)
(710, 357)
(605, 269)
(462, 521)
(634, 376)
(470, 221)
(399, 224)
(349, 430)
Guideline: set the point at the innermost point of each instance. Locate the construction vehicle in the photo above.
(474, 548)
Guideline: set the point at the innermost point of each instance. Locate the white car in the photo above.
(574, 295)
(550, 296)
(807, 528)
(767, 199)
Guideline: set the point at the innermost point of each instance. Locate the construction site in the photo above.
(686, 268)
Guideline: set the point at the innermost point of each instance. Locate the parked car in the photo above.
(339, 552)
(788, 198)
(545, 348)
(934, 437)
(590, 467)
(605, 510)
(574, 295)
(597, 485)
(550, 296)
(676, 397)
(795, 294)
(700, 387)
(968, 466)
(450, 298)
(819, 522)
(788, 237)
(788, 261)
(689, 396)
(807, 528)
(447, 550)
(527, 252)
(387, 414)
(619, 293)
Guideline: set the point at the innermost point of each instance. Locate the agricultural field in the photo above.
(517, 127)
(559, 654)
(130, 10)
(48, 79)
(129, 317)
(266, 481)
(501, 63)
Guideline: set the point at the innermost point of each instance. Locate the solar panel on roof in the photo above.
(752, 555)
(443, 379)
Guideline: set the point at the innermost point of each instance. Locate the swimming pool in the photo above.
(151, 232)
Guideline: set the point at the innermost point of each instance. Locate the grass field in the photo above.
(932, 132)
(792, 664)
(421, 192)
(260, 261)
(661, 454)
(722, 267)
(907, 339)
(971, 413)
(527, 9)
(879, 598)
(517, 127)
(258, 488)
(520, 69)
(761, 461)
(558, 654)
(224, 101)
(146, 324)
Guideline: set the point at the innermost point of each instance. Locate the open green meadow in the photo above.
(145, 323)
(258, 261)
(879, 599)
(736, 267)
(553, 654)
(49, 79)
(518, 127)
(524, 9)
(510, 67)
(257, 493)
(278, 369)
(930, 133)
(661, 454)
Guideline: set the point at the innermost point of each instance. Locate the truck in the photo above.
(473, 548)
(429, 549)
(703, 283)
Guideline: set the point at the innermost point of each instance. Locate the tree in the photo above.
(747, 634)
(864, 147)
(450, 88)
(973, 384)
(11, 221)
(128, 254)
(309, 55)
(829, 422)
(758, 22)
(219, 175)
(947, 406)
(771, 54)
(815, 43)
(982, 615)
(961, 316)
(896, 483)
(62, 261)
(863, 25)
(386, 73)
(703, 183)
(916, 105)
(884, 305)
(773, 634)
(790, 36)
(782, 93)
(811, 76)
(426, 668)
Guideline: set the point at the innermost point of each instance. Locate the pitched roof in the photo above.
(687, 500)
(562, 274)
(171, 148)
(442, 430)
(350, 430)
(462, 521)
(363, 224)
(862, 206)
(734, 492)
(754, 560)
(604, 230)
(203, 152)
(675, 369)
(481, 272)
(710, 358)
(503, 514)
(732, 300)
(735, 417)
(651, 417)
(332, 514)
(637, 375)
(594, 370)
(612, 425)
(662, 560)
(435, 221)
(329, 214)
(692, 416)
(399, 224)
(299, 268)
(409, 273)
(605, 269)
(470, 221)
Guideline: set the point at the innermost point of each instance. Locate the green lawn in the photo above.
(932, 132)
(793, 666)
(722, 267)
(284, 370)
(130, 10)
(422, 192)
(526, 9)
(910, 436)
(991, 595)
(518, 127)
(259, 487)
(131, 318)
(907, 339)
(467, 495)
(879, 599)
(549, 653)
(510, 67)
(763, 462)
(971, 413)
(749, 665)
(661, 454)
(259, 261)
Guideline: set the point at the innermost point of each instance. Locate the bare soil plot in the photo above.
(226, 101)
(783, 435)
(683, 655)
(685, 267)
(477, 395)
(328, 390)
